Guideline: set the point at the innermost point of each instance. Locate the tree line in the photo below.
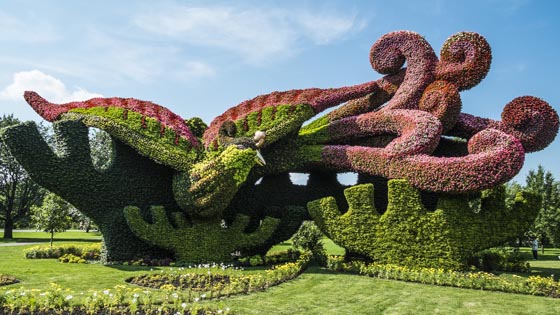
(25, 204)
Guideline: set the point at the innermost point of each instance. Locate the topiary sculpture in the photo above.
(406, 125)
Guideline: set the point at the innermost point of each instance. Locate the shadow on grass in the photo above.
(47, 240)
(321, 271)
(133, 268)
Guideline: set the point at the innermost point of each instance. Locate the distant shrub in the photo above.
(87, 252)
(310, 238)
(500, 259)
(289, 255)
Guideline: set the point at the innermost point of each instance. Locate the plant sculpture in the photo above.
(407, 125)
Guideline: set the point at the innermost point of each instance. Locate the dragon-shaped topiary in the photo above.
(406, 125)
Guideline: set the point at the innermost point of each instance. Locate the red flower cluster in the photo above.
(464, 60)
(494, 158)
(319, 99)
(388, 55)
(167, 118)
(530, 119)
(418, 131)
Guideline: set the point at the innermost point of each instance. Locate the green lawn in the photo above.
(68, 236)
(317, 291)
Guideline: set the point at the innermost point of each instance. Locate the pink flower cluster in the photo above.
(388, 55)
(418, 131)
(494, 158)
(464, 60)
(529, 119)
(495, 149)
(167, 118)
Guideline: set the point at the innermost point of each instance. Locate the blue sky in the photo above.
(200, 58)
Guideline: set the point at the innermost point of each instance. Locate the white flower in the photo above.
(43, 294)
(68, 297)
(136, 295)
(106, 292)
(203, 296)
(219, 311)
(196, 299)
(184, 305)
(175, 295)
(134, 300)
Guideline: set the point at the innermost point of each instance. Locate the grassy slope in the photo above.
(317, 291)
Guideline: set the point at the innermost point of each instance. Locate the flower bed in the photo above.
(87, 252)
(7, 280)
(222, 281)
(533, 285)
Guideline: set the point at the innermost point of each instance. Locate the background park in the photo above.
(406, 197)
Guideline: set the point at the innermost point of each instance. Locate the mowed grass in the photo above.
(317, 291)
(38, 237)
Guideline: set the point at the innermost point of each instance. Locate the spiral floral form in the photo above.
(464, 60)
(531, 120)
(442, 100)
(388, 55)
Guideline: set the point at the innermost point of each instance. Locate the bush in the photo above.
(289, 255)
(310, 238)
(73, 259)
(500, 259)
(87, 252)
(7, 280)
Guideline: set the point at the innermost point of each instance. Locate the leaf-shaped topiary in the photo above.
(408, 234)
(205, 241)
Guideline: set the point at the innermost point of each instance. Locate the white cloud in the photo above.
(47, 86)
(256, 34)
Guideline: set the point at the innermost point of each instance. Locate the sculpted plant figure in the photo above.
(407, 125)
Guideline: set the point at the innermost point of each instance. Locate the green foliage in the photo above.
(276, 121)
(119, 300)
(147, 138)
(409, 235)
(209, 187)
(310, 238)
(100, 195)
(197, 126)
(547, 224)
(500, 259)
(52, 216)
(72, 259)
(202, 241)
(18, 192)
(88, 251)
(355, 229)
(101, 148)
(269, 259)
(221, 282)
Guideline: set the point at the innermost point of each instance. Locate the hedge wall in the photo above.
(409, 235)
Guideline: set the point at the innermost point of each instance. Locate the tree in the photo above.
(101, 148)
(17, 191)
(52, 216)
(547, 224)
